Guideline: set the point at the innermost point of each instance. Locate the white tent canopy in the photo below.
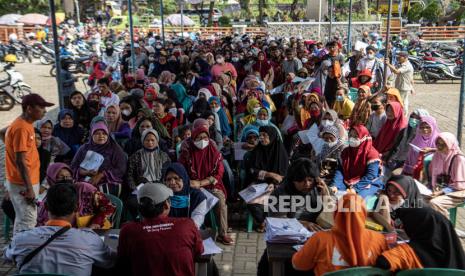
(175, 20)
(9, 19)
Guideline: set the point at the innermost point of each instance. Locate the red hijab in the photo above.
(202, 163)
(391, 128)
(262, 66)
(355, 160)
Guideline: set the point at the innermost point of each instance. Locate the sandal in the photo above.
(226, 240)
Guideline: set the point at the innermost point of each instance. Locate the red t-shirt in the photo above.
(159, 246)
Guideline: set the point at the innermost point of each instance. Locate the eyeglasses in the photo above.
(173, 178)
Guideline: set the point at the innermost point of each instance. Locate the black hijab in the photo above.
(198, 108)
(273, 157)
(82, 116)
(433, 238)
(409, 190)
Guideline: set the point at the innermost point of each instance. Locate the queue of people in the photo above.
(208, 118)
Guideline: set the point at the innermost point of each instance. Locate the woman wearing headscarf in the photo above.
(329, 158)
(308, 99)
(204, 164)
(119, 129)
(198, 108)
(108, 178)
(68, 132)
(330, 118)
(424, 140)
(45, 157)
(83, 113)
(316, 113)
(181, 96)
(433, 243)
(253, 106)
(54, 145)
(134, 144)
(364, 177)
(346, 245)
(221, 119)
(267, 163)
(401, 192)
(263, 67)
(264, 119)
(301, 182)
(145, 165)
(129, 106)
(202, 75)
(447, 171)
(393, 95)
(186, 202)
(214, 132)
(362, 108)
(94, 208)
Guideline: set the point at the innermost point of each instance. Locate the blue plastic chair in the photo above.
(6, 227)
(432, 272)
(119, 210)
(360, 271)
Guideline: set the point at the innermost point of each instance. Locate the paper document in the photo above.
(211, 199)
(360, 46)
(284, 230)
(92, 161)
(312, 136)
(210, 247)
(423, 189)
(253, 191)
(415, 148)
(239, 152)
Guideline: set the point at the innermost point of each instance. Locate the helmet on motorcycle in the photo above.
(11, 58)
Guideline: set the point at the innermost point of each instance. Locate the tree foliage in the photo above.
(432, 12)
(26, 6)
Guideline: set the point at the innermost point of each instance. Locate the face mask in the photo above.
(201, 144)
(354, 142)
(109, 51)
(413, 123)
(326, 123)
(371, 56)
(178, 201)
(262, 122)
(304, 60)
(340, 98)
(375, 107)
(331, 144)
(220, 60)
(235, 59)
(216, 109)
(396, 206)
(126, 112)
(256, 109)
(173, 111)
(158, 47)
(314, 113)
(151, 58)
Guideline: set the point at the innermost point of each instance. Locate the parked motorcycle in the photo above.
(441, 70)
(78, 65)
(13, 88)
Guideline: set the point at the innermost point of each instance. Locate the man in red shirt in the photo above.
(158, 245)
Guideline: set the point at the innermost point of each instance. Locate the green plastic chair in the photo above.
(214, 225)
(360, 271)
(6, 227)
(249, 222)
(432, 272)
(453, 213)
(119, 210)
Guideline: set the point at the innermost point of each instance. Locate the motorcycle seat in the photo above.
(80, 59)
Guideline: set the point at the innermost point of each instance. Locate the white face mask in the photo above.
(354, 142)
(397, 205)
(235, 59)
(256, 109)
(216, 109)
(331, 144)
(304, 60)
(201, 144)
(326, 123)
(371, 56)
(262, 122)
(173, 111)
(220, 60)
(126, 112)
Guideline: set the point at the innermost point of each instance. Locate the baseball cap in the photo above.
(34, 99)
(402, 54)
(157, 192)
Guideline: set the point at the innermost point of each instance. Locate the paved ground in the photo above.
(440, 99)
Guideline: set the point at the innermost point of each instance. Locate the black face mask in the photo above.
(94, 104)
(109, 51)
(375, 107)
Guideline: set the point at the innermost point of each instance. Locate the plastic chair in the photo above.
(6, 227)
(249, 222)
(214, 225)
(432, 272)
(119, 210)
(453, 213)
(360, 271)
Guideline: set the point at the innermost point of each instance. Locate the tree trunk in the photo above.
(365, 9)
(210, 13)
(452, 16)
(293, 13)
(260, 12)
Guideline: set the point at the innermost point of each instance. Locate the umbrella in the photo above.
(33, 19)
(9, 19)
(60, 17)
(175, 20)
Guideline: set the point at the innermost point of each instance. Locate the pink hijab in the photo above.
(442, 162)
(422, 142)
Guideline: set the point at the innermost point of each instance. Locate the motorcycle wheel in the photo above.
(22, 91)
(45, 60)
(6, 101)
(53, 71)
(426, 79)
(20, 58)
(35, 55)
